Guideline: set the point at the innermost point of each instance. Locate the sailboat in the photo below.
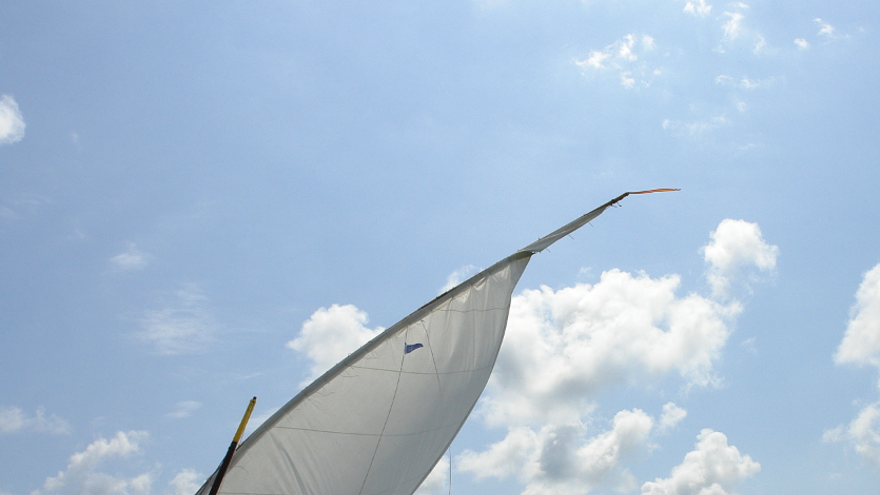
(378, 421)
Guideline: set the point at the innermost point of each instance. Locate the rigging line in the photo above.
(450, 467)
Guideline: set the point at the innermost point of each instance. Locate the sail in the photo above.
(378, 422)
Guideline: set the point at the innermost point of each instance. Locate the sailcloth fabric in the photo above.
(379, 421)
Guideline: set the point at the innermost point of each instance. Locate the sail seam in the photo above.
(366, 434)
(422, 372)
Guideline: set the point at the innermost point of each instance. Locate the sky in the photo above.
(201, 202)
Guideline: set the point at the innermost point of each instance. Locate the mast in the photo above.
(221, 471)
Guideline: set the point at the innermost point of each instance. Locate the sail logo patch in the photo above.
(408, 348)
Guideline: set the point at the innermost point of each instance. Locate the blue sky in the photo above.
(186, 186)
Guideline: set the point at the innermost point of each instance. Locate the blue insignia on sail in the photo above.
(408, 348)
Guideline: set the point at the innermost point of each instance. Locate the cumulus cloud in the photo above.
(861, 342)
(11, 122)
(14, 420)
(330, 334)
(458, 276)
(131, 259)
(186, 482)
(622, 56)
(564, 346)
(560, 459)
(735, 251)
(83, 478)
(700, 9)
(184, 409)
(711, 469)
(184, 327)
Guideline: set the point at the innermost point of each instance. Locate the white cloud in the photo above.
(625, 48)
(186, 482)
(11, 122)
(564, 346)
(861, 346)
(623, 56)
(559, 459)
(733, 27)
(596, 60)
(735, 250)
(701, 8)
(131, 259)
(826, 30)
(747, 83)
(185, 409)
(672, 415)
(184, 327)
(861, 342)
(458, 276)
(437, 480)
(82, 478)
(863, 433)
(760, 44)
(802, 44)
(709, 470)
(331, 334)
(736, 33)
(13, 420)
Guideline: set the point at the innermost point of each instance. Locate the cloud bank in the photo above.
(559, 459)
(563, 347)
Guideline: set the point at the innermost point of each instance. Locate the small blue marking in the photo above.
(408, 348)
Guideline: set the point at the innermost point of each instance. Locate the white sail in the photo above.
(378, 421)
